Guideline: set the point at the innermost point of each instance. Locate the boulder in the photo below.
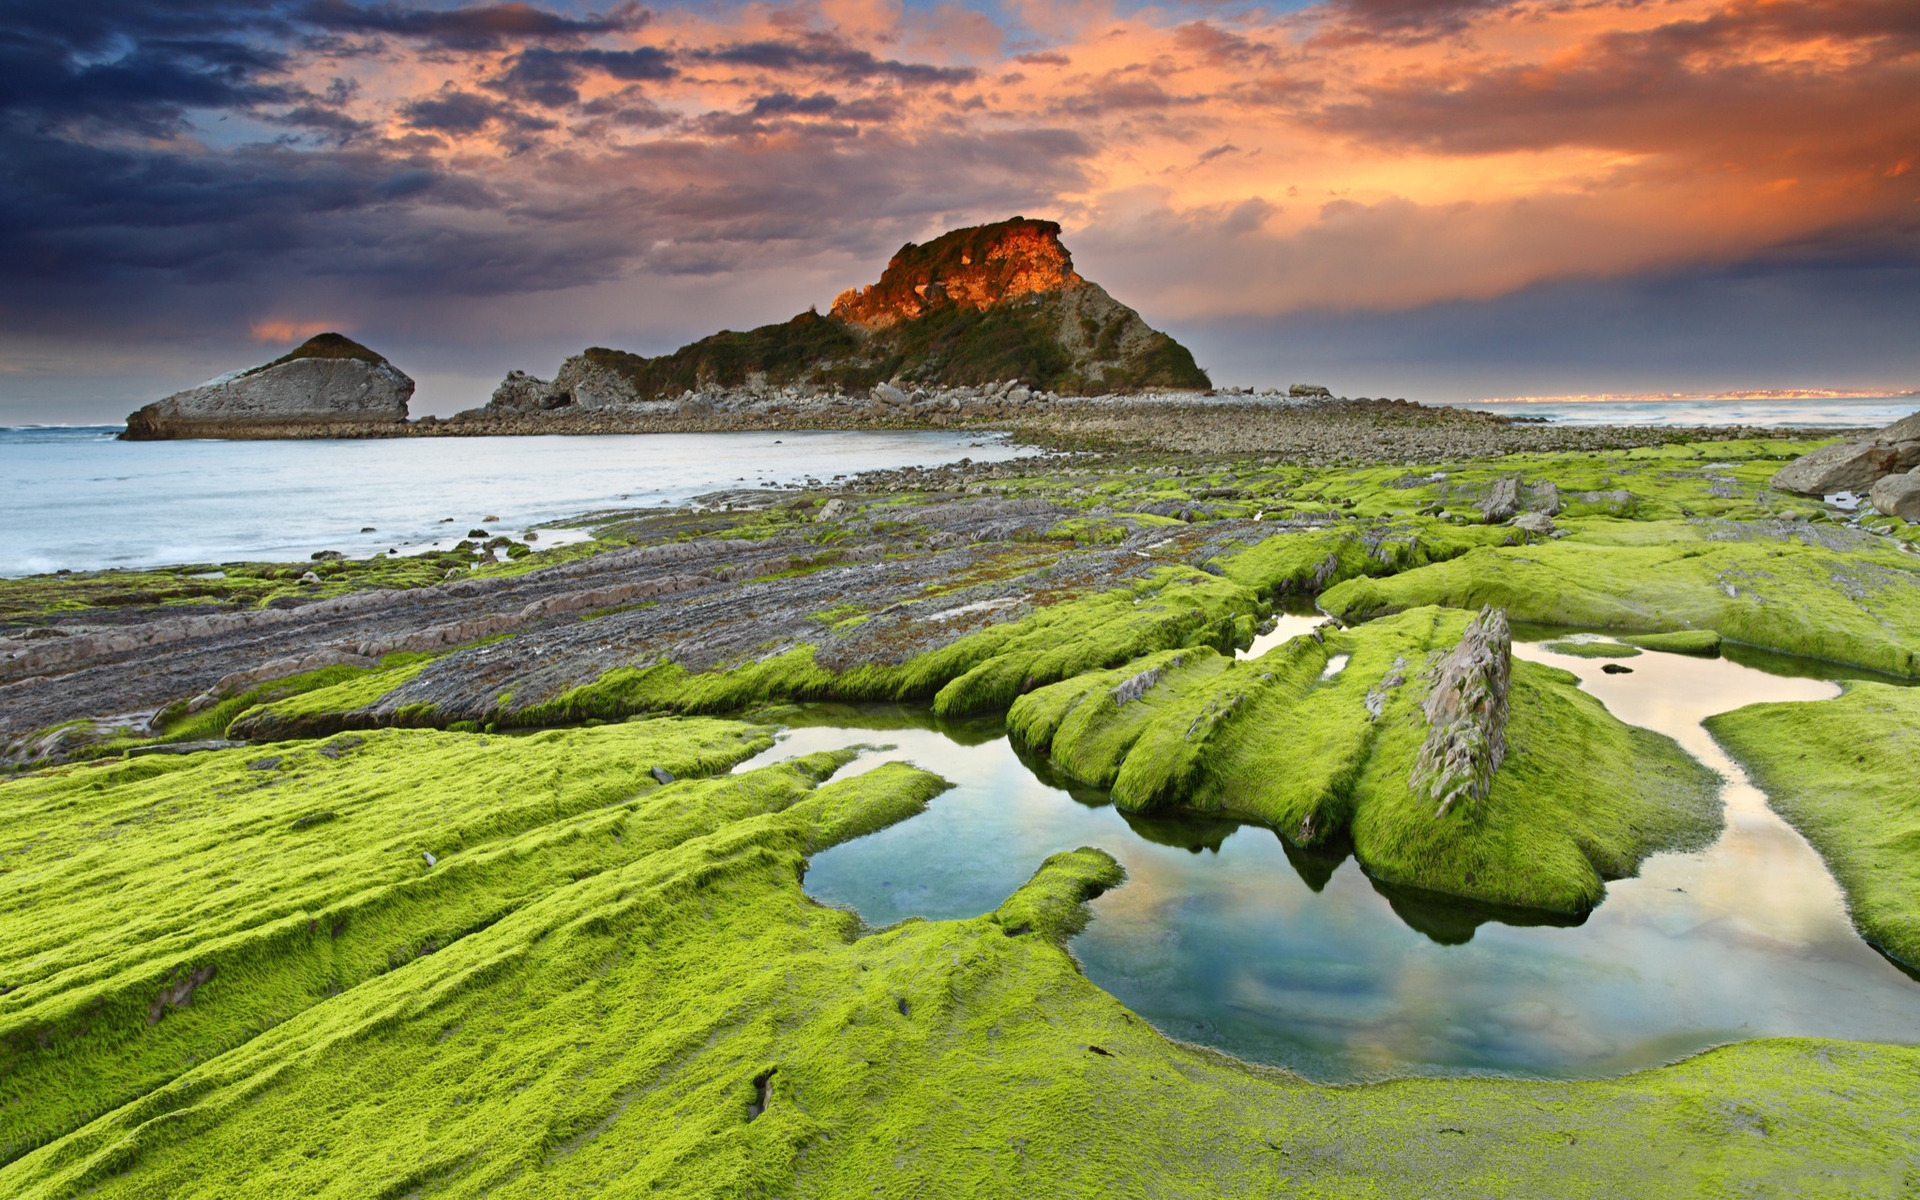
(1505, 500)
(1853, 466)
(520, 392)
(1898, 495)
(329, 383)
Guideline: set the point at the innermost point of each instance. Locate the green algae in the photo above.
(316, 709)
(688, 1023)
(1318, 737)
(1767, 585)
(1680, 641)
(983, 671)
(1594, 649)
(1310, 561)
(291, 871)
(1841, 771)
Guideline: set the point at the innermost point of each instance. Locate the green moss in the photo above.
(1593, 649)
(982, 672)
(1754, 584)
(315, 710)
(1290, 739)
(1842, 771)
(688, 1023)
(1309, 561)
(293, 871)
(1680, 641)
(324, 345)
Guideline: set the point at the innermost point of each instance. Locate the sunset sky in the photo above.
(1436, 199)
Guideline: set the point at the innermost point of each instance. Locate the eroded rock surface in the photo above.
(1856, 465)
(327, 384)
(1466, 715)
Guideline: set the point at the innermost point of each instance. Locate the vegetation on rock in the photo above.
(1842, 772)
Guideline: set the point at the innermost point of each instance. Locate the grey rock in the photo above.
(1505, 500)
(1544, 498)
(832, 510)
(662, 776)
(1853, 466)
(299, 392)
(1535, 523)
(1466, 716)
(1845, 467)
(1898, 495)
(1308, 389)
(886, 393)
(520, 392)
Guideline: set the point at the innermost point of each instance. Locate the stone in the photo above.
(1544, 497)
(1505, 500)
(1898, 495)
(1853, 466)
(832, 510)
(662, 776)
(1308, 389)
(327, 383)
(1535, 523)
(1466, 713)
(1846, 467)
(886, 393)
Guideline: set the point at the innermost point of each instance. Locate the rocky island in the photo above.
(328, 386)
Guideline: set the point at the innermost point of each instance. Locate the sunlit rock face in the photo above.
(980, 317)
(329, 383)
(977, 268)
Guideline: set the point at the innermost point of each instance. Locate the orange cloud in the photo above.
(288, 331)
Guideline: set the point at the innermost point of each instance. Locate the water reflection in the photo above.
(1225, 934)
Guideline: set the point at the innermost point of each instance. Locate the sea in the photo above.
(77, 499)
(80, 500)
(1851, 411)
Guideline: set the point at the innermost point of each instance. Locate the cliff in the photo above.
(972, 308)
(326, 385)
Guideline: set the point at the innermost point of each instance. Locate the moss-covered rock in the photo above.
(1321, 737)
(684, 1021)
(168, 909)
(1842, 772)
(1839, 596)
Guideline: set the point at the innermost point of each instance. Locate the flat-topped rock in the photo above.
(328, 384)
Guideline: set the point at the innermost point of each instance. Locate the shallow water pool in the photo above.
(1226, 935)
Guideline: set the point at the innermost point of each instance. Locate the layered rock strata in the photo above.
(328, 385)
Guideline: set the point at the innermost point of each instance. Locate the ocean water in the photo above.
(78, 499)
(1868, 411)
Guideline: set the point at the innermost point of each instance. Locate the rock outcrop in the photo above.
(1466, 715)
(994, 306)
(1853, 466)
(327, 384)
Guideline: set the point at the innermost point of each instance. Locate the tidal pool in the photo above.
(1226, 935)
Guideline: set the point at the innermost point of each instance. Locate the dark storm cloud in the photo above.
(58, 66)
(475, 28)
(456, 112)
(548, 77)
(827, 55)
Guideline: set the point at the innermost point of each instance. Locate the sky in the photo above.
(1436, 199)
